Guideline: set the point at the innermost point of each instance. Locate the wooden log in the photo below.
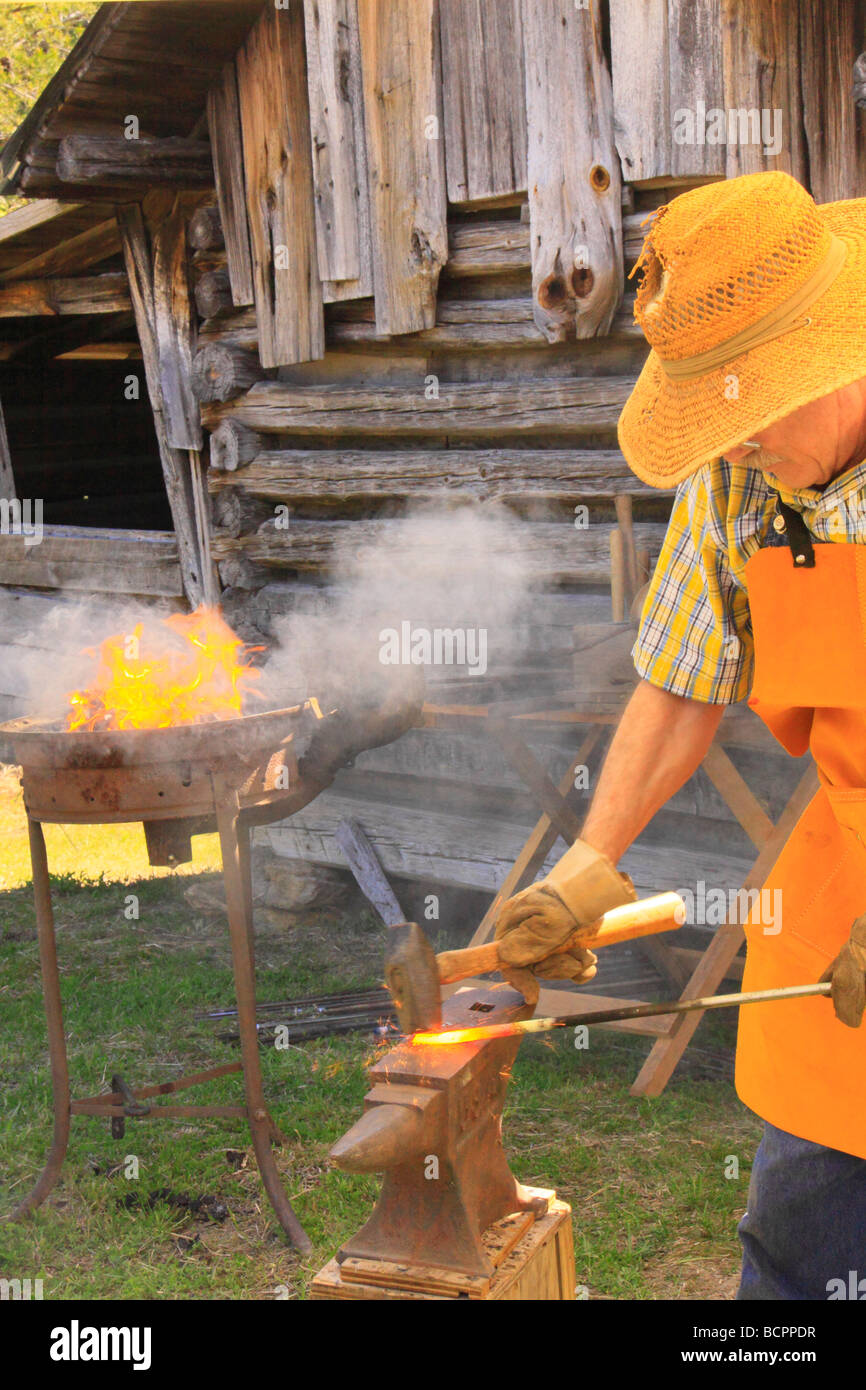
(488, 248)
(220, 373)
(83, 294)
(438, 848)
(205, 231)
(112, 161)
(175, 333)
(574, 177)
(761, 73)
(213, 293)
(272, 89)
(408, 202)
(494, 410)
(356, 476)
(86, 248)
(550, 552)
(477, 324)
(224, 124)
(234, 513)
(175, 462)
(232, 445)
(339, 148)
(7, 477)
(483, 98)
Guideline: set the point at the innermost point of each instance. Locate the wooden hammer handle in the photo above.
(664, 912)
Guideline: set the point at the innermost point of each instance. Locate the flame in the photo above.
(195, 672)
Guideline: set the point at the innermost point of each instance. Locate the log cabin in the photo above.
(344, 260)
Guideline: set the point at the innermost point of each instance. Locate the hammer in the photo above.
(414, 974)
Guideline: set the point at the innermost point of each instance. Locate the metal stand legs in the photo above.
(234, 843)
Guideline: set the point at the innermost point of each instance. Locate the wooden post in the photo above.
(224, 124)
(175, 463)
(175, 334)
(573, 171)
(275, 123)
(408, 205)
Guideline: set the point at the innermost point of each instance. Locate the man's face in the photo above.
(813, 444)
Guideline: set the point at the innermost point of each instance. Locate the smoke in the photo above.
(444, 590)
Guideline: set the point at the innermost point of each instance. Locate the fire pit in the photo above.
(224, 775)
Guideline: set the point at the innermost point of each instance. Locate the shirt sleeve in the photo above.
(695, 635)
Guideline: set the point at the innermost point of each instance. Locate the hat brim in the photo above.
(668, 429)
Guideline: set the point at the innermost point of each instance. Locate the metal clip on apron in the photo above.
(798, 1066)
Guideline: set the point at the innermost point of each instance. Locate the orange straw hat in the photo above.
(753, 300)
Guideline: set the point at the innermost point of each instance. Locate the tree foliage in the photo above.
(34, 40)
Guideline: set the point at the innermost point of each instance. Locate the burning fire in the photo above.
(188, 669)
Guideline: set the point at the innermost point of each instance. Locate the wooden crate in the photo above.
(533, 1261)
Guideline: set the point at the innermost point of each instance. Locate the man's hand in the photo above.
(534, 924)
(848, 975)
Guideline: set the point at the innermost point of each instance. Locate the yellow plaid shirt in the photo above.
(695, 635)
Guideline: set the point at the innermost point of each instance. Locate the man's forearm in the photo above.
(660, 741)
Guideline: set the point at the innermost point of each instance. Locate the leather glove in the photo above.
(536, 922)
(848, 975)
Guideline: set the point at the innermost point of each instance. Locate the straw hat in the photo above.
(753, 300)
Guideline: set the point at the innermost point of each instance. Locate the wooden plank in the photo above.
(35, 213)
(86, 248)
(761, 73)
(272, 91)
(368, 872)
(175, 464)
(224, 124)
(87, 561)
(483, 98)
(714, 963)
(549, 551)
(666, 59)
(82, 294)
(339, 148)
(112, 161)
(466, 410)
(7, 476)
(408, 203)
(738, 795)
(338, 477)
(175, 330)
(573, 171)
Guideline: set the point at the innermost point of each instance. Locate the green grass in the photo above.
(654, 1215)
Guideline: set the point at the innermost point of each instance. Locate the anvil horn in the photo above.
(387, 1133)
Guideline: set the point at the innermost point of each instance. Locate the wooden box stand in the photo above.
(533, 1260)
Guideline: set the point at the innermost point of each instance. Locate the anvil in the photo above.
(432, 1123)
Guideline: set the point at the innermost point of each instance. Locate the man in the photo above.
(753, 401)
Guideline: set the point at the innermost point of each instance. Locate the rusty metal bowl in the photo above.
(152, 774)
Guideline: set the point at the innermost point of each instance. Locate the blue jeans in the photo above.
(805, 1225)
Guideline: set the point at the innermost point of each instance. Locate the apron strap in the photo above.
(798, 537)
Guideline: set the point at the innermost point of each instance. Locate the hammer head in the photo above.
(412, 976)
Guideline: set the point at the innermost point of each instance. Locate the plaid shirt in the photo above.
(695, 635)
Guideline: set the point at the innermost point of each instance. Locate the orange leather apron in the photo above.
(797, 1065)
